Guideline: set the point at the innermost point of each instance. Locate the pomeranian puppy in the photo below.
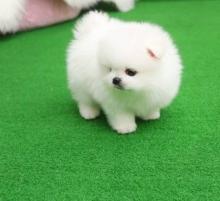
(126, 69)
(122, 5)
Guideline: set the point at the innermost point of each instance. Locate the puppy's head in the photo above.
(131, 55)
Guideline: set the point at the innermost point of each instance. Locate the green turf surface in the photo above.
(48, 152)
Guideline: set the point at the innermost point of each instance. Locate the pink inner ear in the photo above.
(151, 53)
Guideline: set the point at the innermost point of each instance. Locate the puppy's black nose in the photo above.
(116, 80)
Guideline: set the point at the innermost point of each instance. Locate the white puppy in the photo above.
(127, 69)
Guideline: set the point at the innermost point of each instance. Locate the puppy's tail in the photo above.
(90, 22)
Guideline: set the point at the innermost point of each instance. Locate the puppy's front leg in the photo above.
(122, 122)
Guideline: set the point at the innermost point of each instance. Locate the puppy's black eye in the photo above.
(109, 69)
(130, 72)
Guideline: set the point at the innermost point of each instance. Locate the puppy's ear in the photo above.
(151, 54)
(156, 50)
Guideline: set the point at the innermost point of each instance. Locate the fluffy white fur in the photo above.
(11, 13)
(123, 5)
(105, 49)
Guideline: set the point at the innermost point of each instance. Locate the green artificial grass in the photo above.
(49, 153)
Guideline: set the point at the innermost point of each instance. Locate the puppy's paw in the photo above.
(88, 112)
(125, 128)
(152, 116)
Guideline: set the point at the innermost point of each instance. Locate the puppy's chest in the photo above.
(139, 105)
